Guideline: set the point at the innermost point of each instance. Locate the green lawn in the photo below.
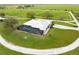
(55, 38)
(63, 23)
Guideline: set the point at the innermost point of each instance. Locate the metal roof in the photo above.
(42, 24)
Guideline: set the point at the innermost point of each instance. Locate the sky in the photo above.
(39, 1)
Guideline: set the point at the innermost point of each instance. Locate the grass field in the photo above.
(55, 37)
(38, 13)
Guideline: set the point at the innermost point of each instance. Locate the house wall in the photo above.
(47, 29)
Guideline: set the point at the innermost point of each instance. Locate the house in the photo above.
(36, 26)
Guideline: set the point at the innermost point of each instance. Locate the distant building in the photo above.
(36, 26)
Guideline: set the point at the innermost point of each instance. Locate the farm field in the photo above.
(55, 37)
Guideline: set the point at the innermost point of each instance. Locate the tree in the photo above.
(47, 15)
(10, 24)
(31, 15)
(2, 14)
(26, 6)
(65, 10)
(20, 7)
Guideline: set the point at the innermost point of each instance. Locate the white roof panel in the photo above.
(42, 24)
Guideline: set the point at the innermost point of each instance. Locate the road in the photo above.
(74, 18)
